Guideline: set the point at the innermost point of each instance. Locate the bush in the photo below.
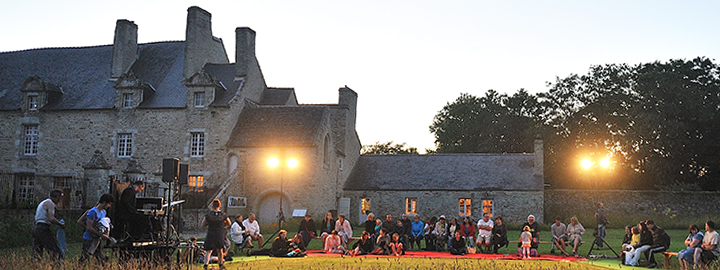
(15, 232)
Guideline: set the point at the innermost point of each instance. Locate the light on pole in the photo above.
(275, 162)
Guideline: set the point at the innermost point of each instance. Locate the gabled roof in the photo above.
(83, 74)
(271, 126)
(462, 172)
(225, 73)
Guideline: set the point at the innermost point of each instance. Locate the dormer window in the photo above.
(127, 100)
(32, 102)
(199, 99)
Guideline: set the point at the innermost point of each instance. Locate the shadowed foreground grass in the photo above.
(400, 263)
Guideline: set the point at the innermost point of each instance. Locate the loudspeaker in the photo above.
(170, 169)
(183, 177)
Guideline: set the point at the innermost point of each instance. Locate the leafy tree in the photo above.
(494, 123)
(388, 148)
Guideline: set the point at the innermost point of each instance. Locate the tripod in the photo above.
(597, 240)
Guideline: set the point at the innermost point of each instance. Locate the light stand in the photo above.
(274, 162)
(587, 164)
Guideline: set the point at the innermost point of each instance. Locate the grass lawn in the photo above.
(19, 258)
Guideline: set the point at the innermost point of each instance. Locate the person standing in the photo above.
(128, 219)
(43, 238)
(216, 221)
(95, 231)
(601, 222)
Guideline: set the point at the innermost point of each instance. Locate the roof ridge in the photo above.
(86, 47)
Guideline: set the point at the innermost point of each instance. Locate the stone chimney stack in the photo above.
(539, 163)
(349, 97)
(244, 50)
(124, 47)
(198, 40)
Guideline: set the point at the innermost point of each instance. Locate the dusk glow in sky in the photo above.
(405, 59)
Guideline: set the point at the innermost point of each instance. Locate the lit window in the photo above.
(125, 144)
(365, 206)
(199, 98)
(26, 187)
(411, 206)
(197, 144)
(465, 207)
(31, 141)
(32, 102)
(196, 183)
(127, 100)
(488, 207)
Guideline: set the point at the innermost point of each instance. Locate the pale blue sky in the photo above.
(406, 59)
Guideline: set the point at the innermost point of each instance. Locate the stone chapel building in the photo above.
(73, 118)
(77, 118)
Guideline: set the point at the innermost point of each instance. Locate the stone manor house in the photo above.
(77, 118)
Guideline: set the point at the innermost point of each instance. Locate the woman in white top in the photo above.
(575, 231)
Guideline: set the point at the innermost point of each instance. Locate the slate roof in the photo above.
(271, 126)
(226, 74)
(83, 74)
(461, 172)
(276, 96)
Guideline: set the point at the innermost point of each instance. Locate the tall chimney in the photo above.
(244, 50)
(198, 40)
(124, 47)
(349, 97)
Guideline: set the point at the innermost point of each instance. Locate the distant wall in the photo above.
(646, 204)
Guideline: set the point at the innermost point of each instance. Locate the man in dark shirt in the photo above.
(307, 229)
(404, 232)
(661, 242)
(129, 220)
(534, 231)
(389, 225)
(601, 222)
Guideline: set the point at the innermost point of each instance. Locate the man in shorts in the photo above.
(484, 239)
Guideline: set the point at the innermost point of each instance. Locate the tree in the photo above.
(388, 148)
(494, 123)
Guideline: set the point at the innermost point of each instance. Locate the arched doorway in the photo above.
(267, 212)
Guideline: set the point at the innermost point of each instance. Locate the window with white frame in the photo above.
(31, 140)
(196, 183)
(411, 206)
(128, 100)
(197, 144)
(465, 206)
(26, 187)
(365, 206)
(32, 102)
(125, 144)
(487, 207)
(199, 99)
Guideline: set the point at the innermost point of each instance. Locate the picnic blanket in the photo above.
(432, 254)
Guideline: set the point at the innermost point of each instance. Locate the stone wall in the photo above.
(514, 206)
(618, 203)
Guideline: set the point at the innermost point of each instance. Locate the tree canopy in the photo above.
(657, 122)
(388, 148)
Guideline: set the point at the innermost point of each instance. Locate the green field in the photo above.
(19, 258)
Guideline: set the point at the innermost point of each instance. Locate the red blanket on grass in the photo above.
(432, 254)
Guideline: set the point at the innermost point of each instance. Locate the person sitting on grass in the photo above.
(333, 243)
(559, 235)
(193, 253)
(710, 247)
(457, 245)
(396, 245)
(575, 231)
(297, 246)
(363, 246)
(692, 242)
(383, 243)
